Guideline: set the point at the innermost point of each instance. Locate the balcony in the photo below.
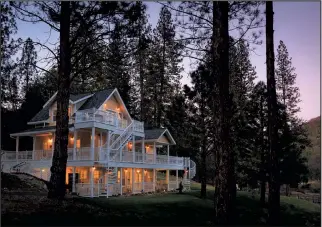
(106, 117)
(85, 154)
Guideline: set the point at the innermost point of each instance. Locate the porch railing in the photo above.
(101, 116)
(148, 186)
(138, 126)
(100, 154)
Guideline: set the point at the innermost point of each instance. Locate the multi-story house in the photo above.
(109, 153)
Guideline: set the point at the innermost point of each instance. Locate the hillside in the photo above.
(313, 153)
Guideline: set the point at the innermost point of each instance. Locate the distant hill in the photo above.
(313, 153)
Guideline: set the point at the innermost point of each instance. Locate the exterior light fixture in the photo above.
(42, 170)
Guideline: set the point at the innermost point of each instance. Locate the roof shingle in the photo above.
(96, 100)
(153, 134)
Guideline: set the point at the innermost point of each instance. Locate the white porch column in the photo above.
(74, 180)
(177, 180)
(100, 147)
(92, 181)
(34, 147)
(142, 180)
(168, 179)
(155, 153)
(154, 179)
(108, 140)
(107, 188)
(133, 147)
(17, 147)
(143, 153)
(133, 178)
(92, 143)
(121, 181)
(75, 144)
(168, 154)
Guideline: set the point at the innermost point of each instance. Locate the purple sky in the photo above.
(296, 23)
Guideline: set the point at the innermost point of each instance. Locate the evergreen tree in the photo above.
(258, 139)
(27, 65)
(9, 82)
(118, 64)
(225, 191)
(201, 121)
(165, 58)
(274, 171)
(292, 136)
(140, 43)
(288, 93)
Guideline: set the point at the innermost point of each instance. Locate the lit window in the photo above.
(83, 175)
(96, 175)
(78, 143)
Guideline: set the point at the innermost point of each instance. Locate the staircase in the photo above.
(109, 188)
(112, 154)
(192, 173)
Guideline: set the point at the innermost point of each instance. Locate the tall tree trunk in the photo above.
(274, 187)
(203, 180)
(263, 161)
(57, 187)
(142, 114)
(160, 104)
(225, 191)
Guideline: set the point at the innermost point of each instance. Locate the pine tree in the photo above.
(118, 66)
(225, 192)
(274, 184)
(292, 136)
(27, 65)
(259, 138)
(57, 187)
(200, 122)
(140, 43)
(9, 82)
(288, 93)
(165, 59)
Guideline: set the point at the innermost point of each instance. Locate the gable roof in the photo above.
(155, 134)
(97, 99)
(42, 115)
(75, 97)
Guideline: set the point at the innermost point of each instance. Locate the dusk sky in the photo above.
(296, 23)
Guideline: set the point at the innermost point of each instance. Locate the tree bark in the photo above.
(57, 187)
(263, 161)
(274, 187)
(225, 191)
(203, 180)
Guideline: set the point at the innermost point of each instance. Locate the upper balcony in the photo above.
(107, 117)
(100, 155)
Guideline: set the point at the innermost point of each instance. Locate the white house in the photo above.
(109, 153)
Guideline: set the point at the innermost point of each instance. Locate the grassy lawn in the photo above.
(158, 209)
